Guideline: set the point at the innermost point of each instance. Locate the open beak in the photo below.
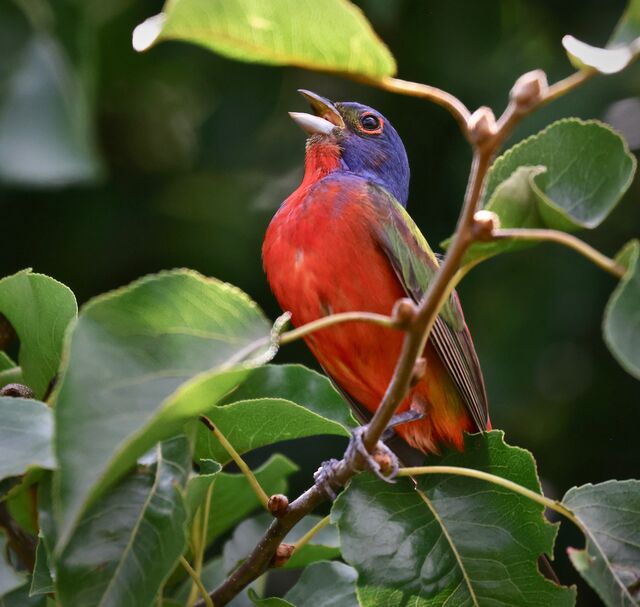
(325, 117)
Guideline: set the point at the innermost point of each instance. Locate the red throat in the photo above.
(322, 158)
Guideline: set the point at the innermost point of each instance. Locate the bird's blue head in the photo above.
(368, 144)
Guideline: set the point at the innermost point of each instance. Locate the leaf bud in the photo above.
(482, 125)
(484, 224)
(404, 312)
(278, 505)
(529, 90)
(282, 555)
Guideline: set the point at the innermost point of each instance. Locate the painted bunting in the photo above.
(343, 241)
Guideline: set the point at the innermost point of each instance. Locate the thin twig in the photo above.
(235, 456)
(308, 536)
(568, 240)
(496, 480)
(564, 86)
(207, 600)
(334, 319)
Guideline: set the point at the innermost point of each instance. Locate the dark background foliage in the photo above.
(186, 155)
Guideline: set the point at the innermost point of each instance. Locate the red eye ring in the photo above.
(371, 124)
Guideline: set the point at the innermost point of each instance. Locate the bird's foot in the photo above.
(382, 461)
(325, 475)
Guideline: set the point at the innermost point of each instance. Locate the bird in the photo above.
(343, 241)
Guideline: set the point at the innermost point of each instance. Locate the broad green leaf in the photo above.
(322, 584)
(456, 541)
(298, 384)
(46, 133)
(251, 424)
(5, 362)
(623, 46)
(622, 315)
(332, 35)
(610, 517)
(10, 579)
(26, 429)
(42, 579)
(233, 499)
(130, 541)
(39, 308)
(143, 360)
(325, 584)
(20, 598)
(569, 176)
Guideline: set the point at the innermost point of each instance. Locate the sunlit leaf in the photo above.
(143, 360)
(26, 431)
(129, 542)
(622, 315)
(325, 585)
(40, 309)
(610, 516)
(332, 35)
(622, 48)
(456, 541)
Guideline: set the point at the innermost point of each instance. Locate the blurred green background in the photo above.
(115, 164)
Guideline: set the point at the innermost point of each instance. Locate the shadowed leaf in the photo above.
(622, 315)
(610, 516)
(26, 429)
(128, 543)
(456, 541)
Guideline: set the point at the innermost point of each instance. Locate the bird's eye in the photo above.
(370, 123)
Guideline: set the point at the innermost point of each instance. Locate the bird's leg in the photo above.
(325, 474)
(411, 415)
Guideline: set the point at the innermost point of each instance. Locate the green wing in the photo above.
(415, 265)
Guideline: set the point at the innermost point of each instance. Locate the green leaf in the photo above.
(569, 176)
(322, 584)
(199, 484)
(142, 360)
(299, 384)
(26, 429)
(20, 598)
(332, 35)
(129, 542)
(623, 46)
(325, 584)
(39, 308)
(324, 546)
(621, 324)
(46, 133)
(456, 541)
(42, 580)
(233, 499)
(610, 517)
(10, 579)
(251, 424)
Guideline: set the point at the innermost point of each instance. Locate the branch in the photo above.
(486, 136)
(568, 240)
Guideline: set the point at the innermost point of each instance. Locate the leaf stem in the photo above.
(568, 240)
(564, 86)
(496, 480)
(235, 456)
(334, 319)
(308, 536)
(208, 601)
